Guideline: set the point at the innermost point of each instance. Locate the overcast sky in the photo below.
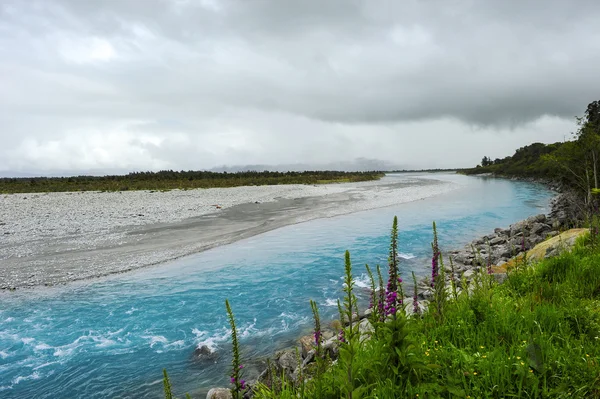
(192, 84)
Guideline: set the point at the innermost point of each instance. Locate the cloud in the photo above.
(199, 83)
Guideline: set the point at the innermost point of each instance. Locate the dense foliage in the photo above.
(528, 161)
(168, 180)
(574, 163)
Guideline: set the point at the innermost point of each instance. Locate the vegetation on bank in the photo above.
(170, 180)
(574, 163)
(537, 335)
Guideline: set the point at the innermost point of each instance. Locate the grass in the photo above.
(535, 336)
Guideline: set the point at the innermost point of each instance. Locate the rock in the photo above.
(468, 274)
(307, 343)
(500, 277)
(534, 240)
(204, 352)
(539, 228)
(365, 329)
(219, 393)
(552, 247)
(331, 347)
(287, 361)
(541, 218)
(366, 314)
(425, 294)
(517, 228)
(498, 240)
(503, 252)
(409, 308)
(466, 258)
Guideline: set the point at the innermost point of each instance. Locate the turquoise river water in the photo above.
(111, 337)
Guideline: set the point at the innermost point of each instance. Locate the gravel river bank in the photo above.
(54, 238)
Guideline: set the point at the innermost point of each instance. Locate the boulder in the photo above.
(500, 277)
(307, 343)
(498, 240)
(365, 330)
(287, 361)
(425, 294)
(502, 252)
(555, 245)
(331, 347)
(552, 247)
(517, 228)
(204, 353)
(466, 258)
(541, 218)
(409, 308)
(219, 393)
(539, 228)
(468, 274)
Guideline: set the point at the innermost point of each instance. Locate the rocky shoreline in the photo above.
(493, 250)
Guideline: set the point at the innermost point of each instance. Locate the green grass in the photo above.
(535, 336)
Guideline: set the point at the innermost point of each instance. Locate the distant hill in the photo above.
(357, 165)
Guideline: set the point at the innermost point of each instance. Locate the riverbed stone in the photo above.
(539, 228)
(204, 352)
(500, 277)
(219, 393)
(287, 361)
(365, 328)
(307, 343)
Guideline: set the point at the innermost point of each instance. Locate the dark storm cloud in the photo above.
(257, 72)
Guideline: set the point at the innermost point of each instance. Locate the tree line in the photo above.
(573, 162)
(169, 180)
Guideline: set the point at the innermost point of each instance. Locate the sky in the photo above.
(121, 85)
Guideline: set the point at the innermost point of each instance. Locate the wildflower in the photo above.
(416, 308)
(317, 335)
(233, 380)
(522, 364)
(243, 384)
(392, 300)
(435, 342)
(484, 356)
(435, 259)
(241, 366)
(475, 373)
(518, 357)
(482, 347)
(530, 370)
(341, 336)
(586, 355)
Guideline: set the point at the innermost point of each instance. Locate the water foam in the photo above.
(20, 378)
